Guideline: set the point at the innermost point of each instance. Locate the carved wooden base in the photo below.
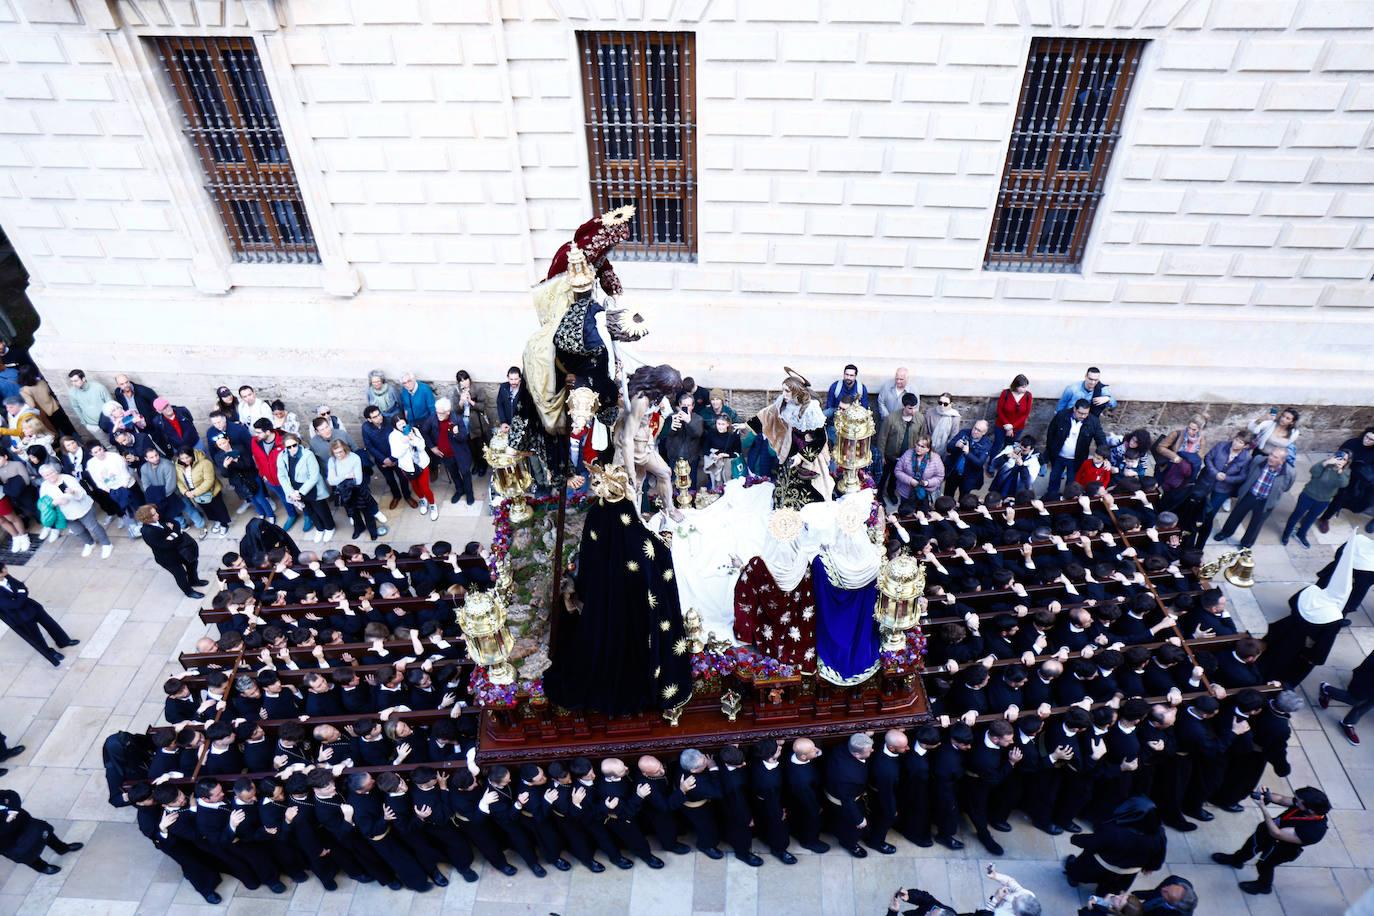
(792, 708)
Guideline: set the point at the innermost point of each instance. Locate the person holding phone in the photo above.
(1328, 479)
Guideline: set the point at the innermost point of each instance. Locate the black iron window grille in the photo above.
(232, 124)
(1067, 125)
(641, 136)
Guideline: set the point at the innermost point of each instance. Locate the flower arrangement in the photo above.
(712, 664)
(489, 695)
(908, 659)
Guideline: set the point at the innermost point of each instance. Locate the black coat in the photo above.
(21, 839)
(167, 436)
(170, 545)
(142, 401)
(15, 602)
(1058, 431)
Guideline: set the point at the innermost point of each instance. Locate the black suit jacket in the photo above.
(168, 542)
(846, 780)
(1058, 432)
(15, 602)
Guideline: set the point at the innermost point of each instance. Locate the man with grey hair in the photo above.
(846, 782)
(417, 401)
(1270, 729)
(697, 793)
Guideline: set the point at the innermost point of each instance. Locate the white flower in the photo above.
(766, 631)
(794, 634)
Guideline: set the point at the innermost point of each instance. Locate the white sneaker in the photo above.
(43, 535)
(243, 507)
(86, 551)
(380, 516)
(329, 535)
(20, 543)
(319, 535)
(424, 506)
(52, 534)
(434, 513)
(106, 551)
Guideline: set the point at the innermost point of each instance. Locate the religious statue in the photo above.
(625, 649)
(577, 335)
(636, 438)
(795, 427)
(845, 578)
(775, 605)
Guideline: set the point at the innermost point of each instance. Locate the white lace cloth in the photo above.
(736, 526)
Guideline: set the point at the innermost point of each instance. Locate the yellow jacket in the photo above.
(202, 476)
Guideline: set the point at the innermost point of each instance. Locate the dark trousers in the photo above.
(545, 837)
(842, 825)
(319, 513)
(1085, 869)
(396, 482)
(944, 809)
(976, 792)
(399, 858)
(1007, 796)
(773, 831)
(913, 813)
(1071, 796)
(1171, 773)
(879, 823)
(806, 824)
(462, 483)
(364, 520)
(451, 844)
(480, 833)
(579, 845)
(1303, 515)
(1359, 705)
(628, 834)
(704, 823)
(1272, 853)
(50, 841)
(664, 826)
(1064, 468)
(521, 841)
(1247, 505)
(198, 868)
(28, 631)
(183, 570)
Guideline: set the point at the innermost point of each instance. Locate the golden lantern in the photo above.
(853, 444)
(513, 476)
(682, 483)
(901, 585)
(483, 620)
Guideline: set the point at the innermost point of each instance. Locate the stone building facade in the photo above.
(849, 158)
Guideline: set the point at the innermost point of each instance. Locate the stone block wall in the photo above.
(849, 157)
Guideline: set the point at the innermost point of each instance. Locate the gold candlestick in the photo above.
(853, 440)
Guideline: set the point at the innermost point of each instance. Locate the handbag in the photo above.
(203, 499)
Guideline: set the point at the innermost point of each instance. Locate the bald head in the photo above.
(613, 767)
(650, 766)
(206, 644)
(1051, 669)
(805, 749)
(895, 740)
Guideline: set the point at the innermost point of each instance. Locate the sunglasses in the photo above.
(944, 403)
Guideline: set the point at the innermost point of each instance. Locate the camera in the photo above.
(1261, 796)
(1098, 904)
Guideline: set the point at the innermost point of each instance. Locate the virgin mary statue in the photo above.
(626, 650)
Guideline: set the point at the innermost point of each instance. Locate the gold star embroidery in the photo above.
(679, 647)
(658, 669)
(667, 575)
(625, 518)
(653, 601)
(593, 535)
(664, 625)
(649, 549)
(670, 691)
(632, 566)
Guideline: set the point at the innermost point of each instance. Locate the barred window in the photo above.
(232, 124)
(1067, 126)
(641, 136)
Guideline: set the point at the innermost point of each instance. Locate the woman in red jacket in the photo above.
(1013, 410)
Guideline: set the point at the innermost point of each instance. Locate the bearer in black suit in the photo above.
(884, 779)
(770, 822)
(24, 616)
(802, 776)
(846, 782)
